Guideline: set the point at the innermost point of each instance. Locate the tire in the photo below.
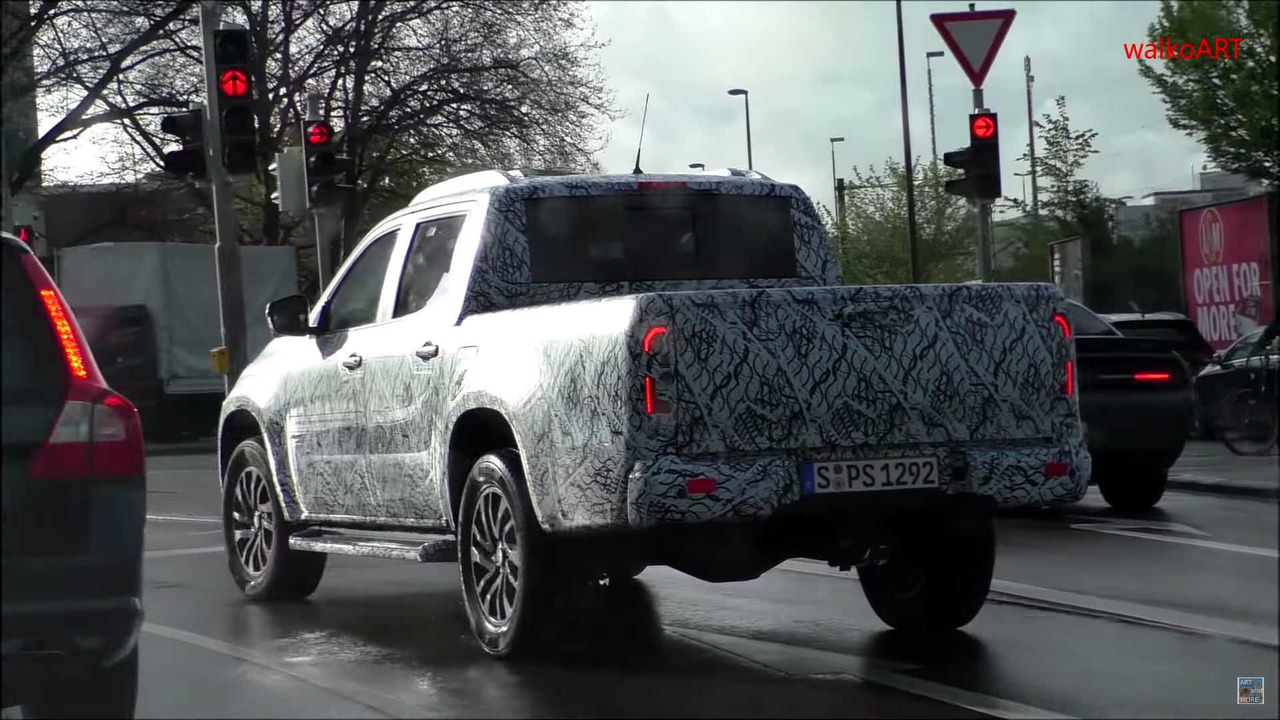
(935, 580)
(507, 594)
(256, 535)
(109, 692)
(1249, 425)
(1132, 486)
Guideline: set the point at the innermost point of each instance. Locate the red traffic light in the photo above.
(983, 127)
(233, 83)
(319, 133)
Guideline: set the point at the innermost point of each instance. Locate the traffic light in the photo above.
(980, 161)
(189, 128)
(328, 174)
(233, 58)
(25, 233)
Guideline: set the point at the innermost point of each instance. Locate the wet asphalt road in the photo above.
(1094, 614)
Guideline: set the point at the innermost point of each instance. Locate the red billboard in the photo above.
(1226, 268)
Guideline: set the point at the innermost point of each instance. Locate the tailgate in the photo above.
(1133, 363)
(812, 368)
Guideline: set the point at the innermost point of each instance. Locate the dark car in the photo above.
(74, 507)
(1233, 369)
(1178, 330)
(1136, 402)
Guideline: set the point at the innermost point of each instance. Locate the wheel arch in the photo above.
(475, 432)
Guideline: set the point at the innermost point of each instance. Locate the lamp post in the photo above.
(933, 136)
(833, 142)
(747, 104)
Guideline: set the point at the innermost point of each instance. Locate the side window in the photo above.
(1243, 346)
(355, 302)
(426, 266)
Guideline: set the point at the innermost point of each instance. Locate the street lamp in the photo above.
(697, 166)
(747, 101)
(833, 142)
(933, 136)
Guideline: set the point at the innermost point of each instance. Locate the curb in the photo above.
(1238, 490)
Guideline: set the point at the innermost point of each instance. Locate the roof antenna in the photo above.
(644, 117)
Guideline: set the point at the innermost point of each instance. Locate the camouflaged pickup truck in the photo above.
(555, 380)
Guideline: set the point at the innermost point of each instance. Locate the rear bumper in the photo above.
(47, 642)
(761, 487)
(1146, 423)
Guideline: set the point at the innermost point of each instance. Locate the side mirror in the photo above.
(288, 316)
(1216, 359)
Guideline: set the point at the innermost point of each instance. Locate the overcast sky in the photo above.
(821, 69)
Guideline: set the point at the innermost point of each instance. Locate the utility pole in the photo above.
(933, 134)
(227, 249)
(1031, 136)
(906, 151)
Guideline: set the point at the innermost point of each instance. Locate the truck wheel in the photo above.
(934, 581)
(1131, 486)
(257, 536)
(504, 558)
(109, 692)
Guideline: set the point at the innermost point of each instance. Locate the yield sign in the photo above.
(974, 38)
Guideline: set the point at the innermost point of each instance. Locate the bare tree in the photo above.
(79, 51)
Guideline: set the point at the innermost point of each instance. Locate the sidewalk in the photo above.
(1208, 466)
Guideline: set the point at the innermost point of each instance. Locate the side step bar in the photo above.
(394, 546)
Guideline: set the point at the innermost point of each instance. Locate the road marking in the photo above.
(184, 551)
(373, 699)
(183, 518)
(1211, 544)
(1126, 524)
(1004, 591)
(801, 661)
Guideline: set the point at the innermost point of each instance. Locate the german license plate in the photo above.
(868, 475)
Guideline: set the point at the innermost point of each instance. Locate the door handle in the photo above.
(353, 362)
(427, 351)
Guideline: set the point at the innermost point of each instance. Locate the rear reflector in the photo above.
(700, 485)
(1056, 468)
(1152, 376)
(1071, 378)
(663, 185)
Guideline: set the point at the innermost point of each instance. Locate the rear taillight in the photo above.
(97, 432)
(1152, 376)
(1069, 385)
(654, 347)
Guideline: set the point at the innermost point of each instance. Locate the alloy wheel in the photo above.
(253, 521)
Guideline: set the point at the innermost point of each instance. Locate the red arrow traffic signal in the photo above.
(233, 83)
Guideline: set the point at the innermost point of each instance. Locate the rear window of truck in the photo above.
(660, 236)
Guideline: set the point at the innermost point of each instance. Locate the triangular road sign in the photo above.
(974, 38)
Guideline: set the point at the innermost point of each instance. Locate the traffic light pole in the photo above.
(327, 223)
(985, 258)
(227, 249)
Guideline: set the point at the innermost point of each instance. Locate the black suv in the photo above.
(74, 507)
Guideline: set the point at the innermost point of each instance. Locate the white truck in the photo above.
(150, 311)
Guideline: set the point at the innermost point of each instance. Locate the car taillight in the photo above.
(1152, 376)
(97, 432)
(654, 347)
(1069, 385)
